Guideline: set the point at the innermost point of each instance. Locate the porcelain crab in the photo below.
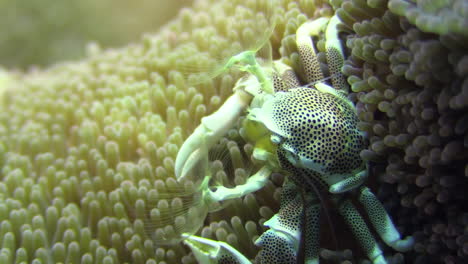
(312, 137)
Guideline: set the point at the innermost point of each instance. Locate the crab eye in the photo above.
(299, 160)
(275, 139)
(291, 154)
(292, 158)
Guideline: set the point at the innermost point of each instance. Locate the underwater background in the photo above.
(89, 132)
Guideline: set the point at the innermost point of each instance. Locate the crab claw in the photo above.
(253, 184)
(210, 251)
(211, 129)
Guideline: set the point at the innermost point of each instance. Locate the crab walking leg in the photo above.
(324, 88)
(280, 243)
(335, 55)
(382, 222)
(312, 232)
(211, 129)
(361, 232)
(307, 50)
(213, 252)
(286, 78)
(276, 248)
